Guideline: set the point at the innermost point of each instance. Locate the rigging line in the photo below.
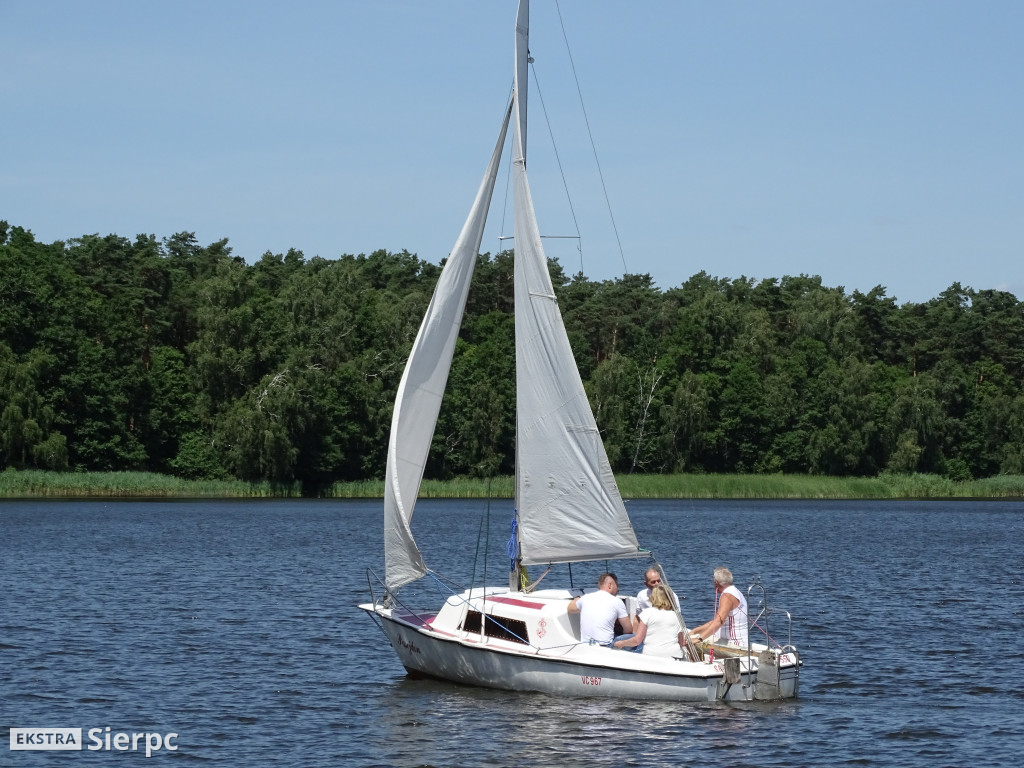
(593, 146)
(544, 237)
(647, 340)
(472, 578)
(487, 534)
(771, 640)
(558, 159)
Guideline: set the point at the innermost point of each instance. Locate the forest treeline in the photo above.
(173, 357)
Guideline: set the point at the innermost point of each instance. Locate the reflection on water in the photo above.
(536, 729)
(234, 624)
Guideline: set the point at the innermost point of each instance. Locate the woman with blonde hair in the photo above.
(657, 628)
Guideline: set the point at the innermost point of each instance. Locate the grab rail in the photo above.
(765, 613)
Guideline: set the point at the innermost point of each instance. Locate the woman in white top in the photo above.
(656, 627)
(729, 626)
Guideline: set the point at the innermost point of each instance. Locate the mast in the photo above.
(519, 103)
(522, 76)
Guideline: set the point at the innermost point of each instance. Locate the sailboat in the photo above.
(567, 504)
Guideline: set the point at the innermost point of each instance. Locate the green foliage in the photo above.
(177, 358)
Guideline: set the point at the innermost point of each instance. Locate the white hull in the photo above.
(556, 663)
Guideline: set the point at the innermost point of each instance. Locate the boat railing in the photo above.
(370, 578)
(389, 599)
(763, 615)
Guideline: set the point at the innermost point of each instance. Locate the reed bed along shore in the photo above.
(37, 484)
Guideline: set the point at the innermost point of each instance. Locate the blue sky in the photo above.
(870, 142)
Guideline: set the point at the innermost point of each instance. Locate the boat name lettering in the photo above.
(587, 680)
(408, 645)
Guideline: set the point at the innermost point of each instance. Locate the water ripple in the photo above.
(234, 625)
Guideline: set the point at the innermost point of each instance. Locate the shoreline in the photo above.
(116, 485)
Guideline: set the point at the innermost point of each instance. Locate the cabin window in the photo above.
(512, 630)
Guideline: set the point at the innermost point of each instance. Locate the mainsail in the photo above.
(422, 387)
(569, 507)
(568, 504)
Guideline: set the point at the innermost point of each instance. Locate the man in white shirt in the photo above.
(643, 599)
(652, 579)
(600, 610)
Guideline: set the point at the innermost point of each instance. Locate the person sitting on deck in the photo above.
(657, 628)
(600, 610)
(729, 626)
(652, 578)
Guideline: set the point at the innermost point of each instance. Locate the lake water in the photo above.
(233, 624)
